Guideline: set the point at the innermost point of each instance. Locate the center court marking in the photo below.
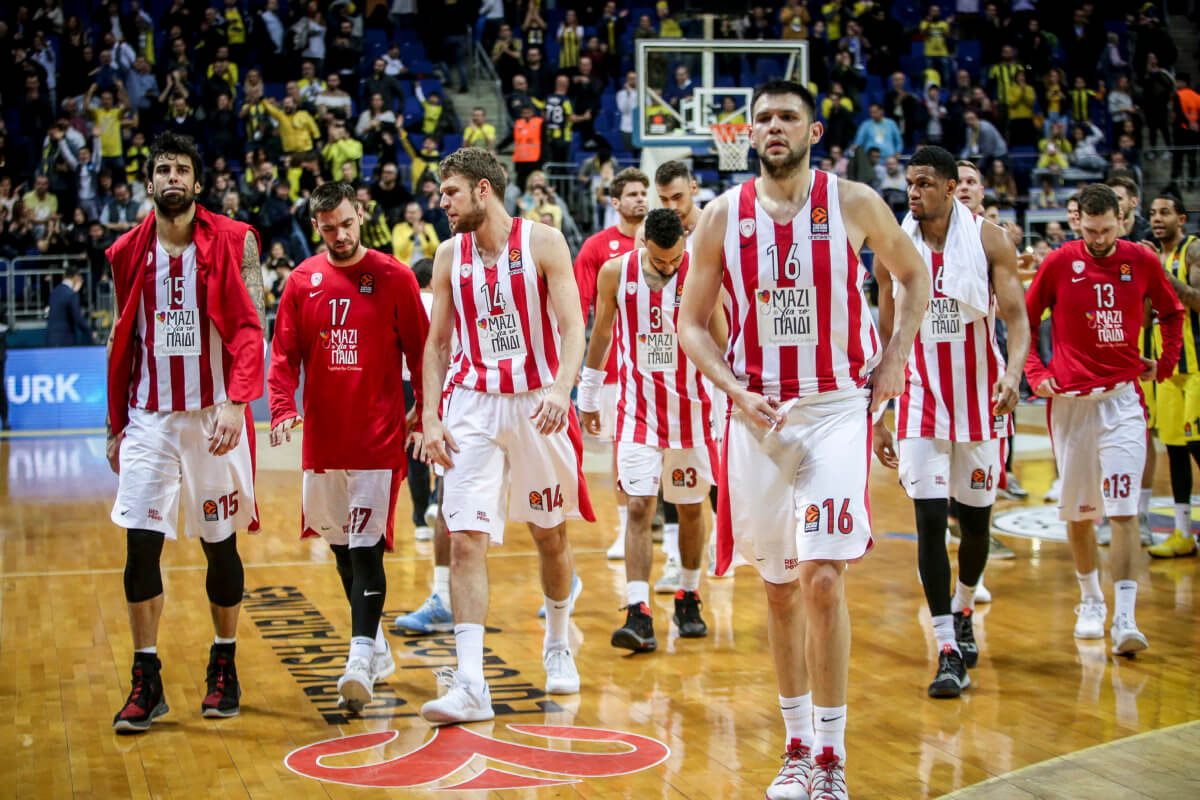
(454, 747)
(1042, 522)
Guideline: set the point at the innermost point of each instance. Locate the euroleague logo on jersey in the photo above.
(820, 222)
(210, 511)
(535, 501)
(366, 283)
(978, 478)
(514, 261)
(453, 748)
(1126, 273)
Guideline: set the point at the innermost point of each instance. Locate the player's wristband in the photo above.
(590, 383)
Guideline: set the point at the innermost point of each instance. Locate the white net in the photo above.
(733, 146)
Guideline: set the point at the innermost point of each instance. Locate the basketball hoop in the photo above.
(733, 145)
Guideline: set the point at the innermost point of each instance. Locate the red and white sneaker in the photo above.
(792, 781)
(828, 779)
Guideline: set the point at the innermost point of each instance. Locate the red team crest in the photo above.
(453, 748)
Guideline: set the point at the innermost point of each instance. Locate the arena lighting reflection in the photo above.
(56, 467)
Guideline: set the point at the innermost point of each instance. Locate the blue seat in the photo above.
(368, 166)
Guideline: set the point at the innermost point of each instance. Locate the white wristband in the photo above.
(590, 382)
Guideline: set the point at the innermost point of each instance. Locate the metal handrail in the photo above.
(483, 64)
(31, 311)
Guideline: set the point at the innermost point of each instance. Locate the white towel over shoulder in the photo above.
(965, 278)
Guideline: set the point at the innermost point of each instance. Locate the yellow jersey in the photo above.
(1177, 267)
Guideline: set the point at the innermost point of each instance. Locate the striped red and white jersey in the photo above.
(799, 322)
(951, 370)
(661, 400)
(507, 328)
(181, 363)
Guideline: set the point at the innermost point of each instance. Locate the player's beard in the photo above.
(1096, 253)
(466, 223)
(344, 252)
(174, 205)
(781, 167)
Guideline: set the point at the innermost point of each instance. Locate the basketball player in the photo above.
(510, 445)
(1097, 288)
(1179, 396)
(628, 192)
(951, 419)
(664, 438)
(804, 370)
(348, 316)
(185, 358)
(677, 191)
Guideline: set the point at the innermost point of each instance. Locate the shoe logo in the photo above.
(451, 747)
(371, 594)
(314, 294)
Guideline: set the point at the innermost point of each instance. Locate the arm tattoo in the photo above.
(1187, 295)
(252, 277)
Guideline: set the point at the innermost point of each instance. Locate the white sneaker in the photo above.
(431, 514)
(828, 781)
(792, 781)
(1054, 493)
(355, 686)
(671, 579)
(382, 664)
(982, 593)
(1090, 619)
(1126, 637)
(616, 551)
(561, 675)
(423, 533)
(462, 703)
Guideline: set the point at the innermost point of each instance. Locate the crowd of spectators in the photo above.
(284, 95)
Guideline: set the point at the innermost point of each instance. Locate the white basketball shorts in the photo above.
(936, 469)
(164, 454)
(1100, 448)
(799, 493)
(350, 506)
(683, 474)
(505, 469)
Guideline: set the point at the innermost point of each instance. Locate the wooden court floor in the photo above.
(697, 719)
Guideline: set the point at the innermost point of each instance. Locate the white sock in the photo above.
(1144, 500)
(670, 543)
(558, 616)
(152, 650)
(829, 726)
(381, 645)
(689, 580)
(1183, 517)
(1089, 586)
(623, 518)
(964, 597)
(1125, 598)
(468, 645)
(223, 640)
(441, 584)
(637, 592)
(798, 718)
(362, 647)
(943, 631)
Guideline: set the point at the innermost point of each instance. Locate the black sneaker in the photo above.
(637, 634)
(224, 692)
(687, 615)
(146, 701)
(964, 634)
(951, 676)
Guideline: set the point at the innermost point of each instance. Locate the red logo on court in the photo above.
(452, 748)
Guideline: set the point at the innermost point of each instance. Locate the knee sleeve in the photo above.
(341, 554)
(975, 523)
(367, 564)
(226, 580)
(143, 580)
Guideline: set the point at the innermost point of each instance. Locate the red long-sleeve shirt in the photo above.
(349, 327)
(1097, 319)
(598, 248)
